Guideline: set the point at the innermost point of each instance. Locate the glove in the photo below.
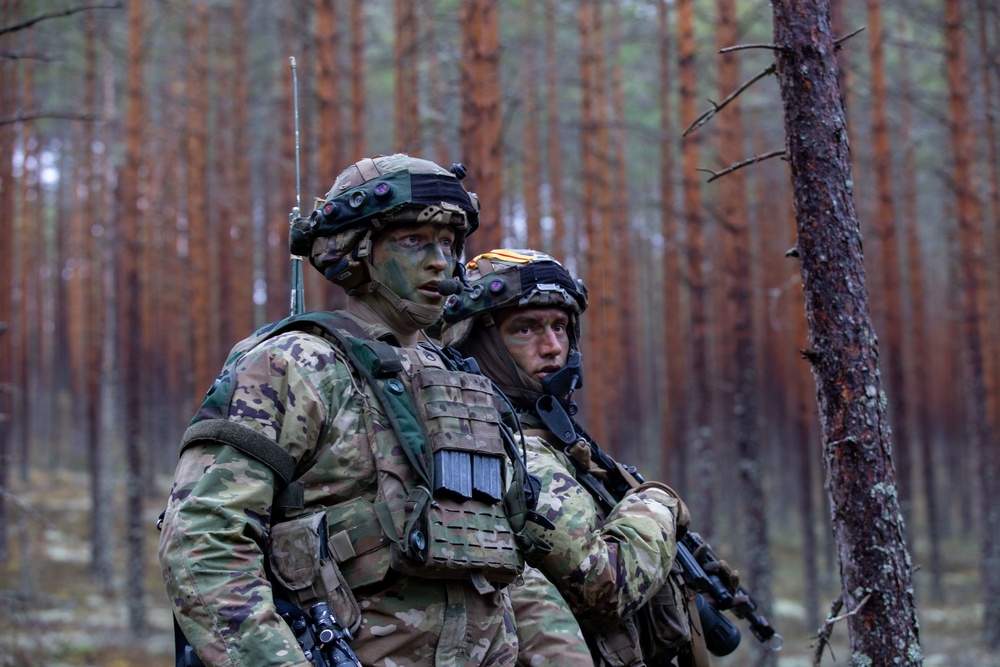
(682, 515)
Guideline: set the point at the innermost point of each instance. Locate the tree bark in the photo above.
(531, 146)
(203, 273)
(918, 376)
(405, 54)
(890, 300)
(699, 436)
(979, 380)
(480, 126)
(673, 408)
(359, 103)
(744, 407)
(241, 222)
(558, 245)
(130, 337)
(8, 81)
(875, 566)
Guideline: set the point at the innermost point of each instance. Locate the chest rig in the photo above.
(448, 506)
(443, 502)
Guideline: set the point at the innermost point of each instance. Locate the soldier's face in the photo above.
(412, 259)
(536, 338)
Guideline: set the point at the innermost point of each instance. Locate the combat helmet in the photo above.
(508, 278)
(512, 278)
(372, 194)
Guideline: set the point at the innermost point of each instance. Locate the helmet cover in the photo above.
(374, 193)
(512, 279)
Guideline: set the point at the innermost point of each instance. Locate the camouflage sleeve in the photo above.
(548, 634)
(219, 510)
(604, 571)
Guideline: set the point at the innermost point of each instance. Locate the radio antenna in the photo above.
(298, 286)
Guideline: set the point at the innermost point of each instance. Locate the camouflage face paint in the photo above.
(412, 259)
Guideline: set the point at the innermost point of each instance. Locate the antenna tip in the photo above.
(291, 61)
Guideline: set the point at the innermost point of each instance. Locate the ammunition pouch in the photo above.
(301, 565)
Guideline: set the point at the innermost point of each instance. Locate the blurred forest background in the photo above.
(147, 172)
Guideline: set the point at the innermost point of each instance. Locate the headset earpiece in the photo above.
(349, 273)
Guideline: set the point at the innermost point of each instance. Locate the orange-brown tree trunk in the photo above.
(979, 379)
(480, 125)
(673, 408)
(203, 271)
(439, 101)
(359, 103)
(743, 404)
(8, 82)
(531, 145)
(699, 436)
(405, 55)
(918, 377)
(889, 301)
(623, 289)
(558, 244)
(242, 234)
(130, 334)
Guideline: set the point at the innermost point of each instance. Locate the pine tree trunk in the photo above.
(734, 221)
(242, 280)
(699, 436)
(890, 301)
(480, 126)
(673, 405)
(532, 145)
(203, 271)
(624, 291)
(558, 245)
(405, 55)
(8, 81)
(359, 104)
(875, 566)
(979, 379)
(919, 375)
(130, 329)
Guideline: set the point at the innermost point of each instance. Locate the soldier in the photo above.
(612, 554)
(341, 480)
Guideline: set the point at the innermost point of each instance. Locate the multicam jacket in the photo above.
(300, 391)
(605, 567)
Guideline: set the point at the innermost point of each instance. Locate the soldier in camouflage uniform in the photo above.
(520, 320)
(332, 461)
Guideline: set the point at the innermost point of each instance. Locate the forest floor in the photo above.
(53, 614)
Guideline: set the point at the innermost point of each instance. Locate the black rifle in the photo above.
(701, 567)
(322, 638)
(699, 562)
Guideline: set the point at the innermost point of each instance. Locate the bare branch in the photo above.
(741, 47)
(743, 163)
(15, 55)
(37, 115)
(705, 117)
(823, 638)
(838, 43)
(54, 15)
